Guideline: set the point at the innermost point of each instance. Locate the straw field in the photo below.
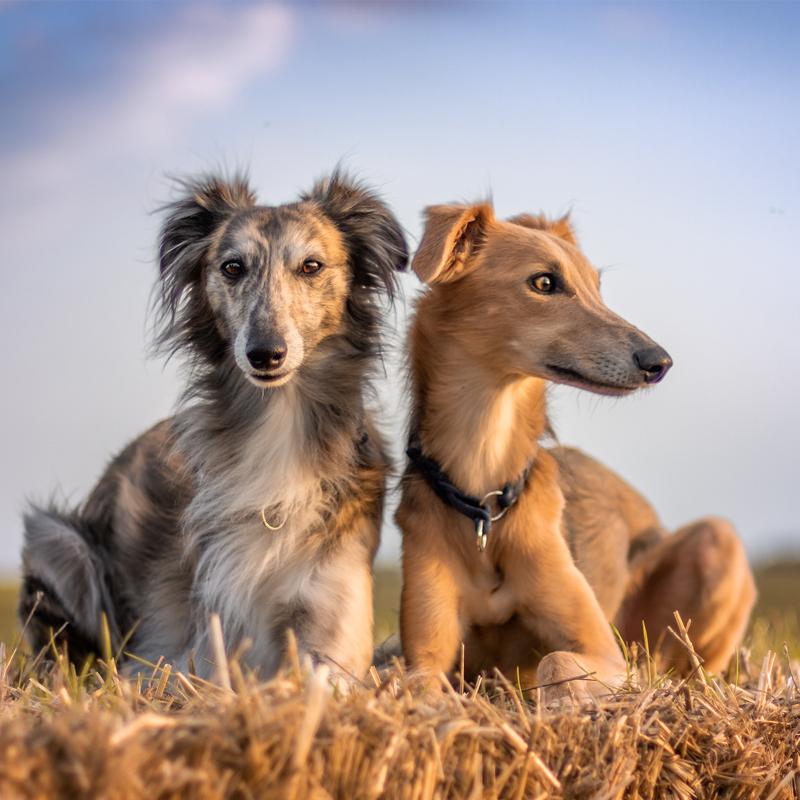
(96, 734)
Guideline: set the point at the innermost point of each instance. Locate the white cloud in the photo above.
(203, 66)
(199, 65)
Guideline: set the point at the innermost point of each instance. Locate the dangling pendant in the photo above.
(481, 537)
(271, 527)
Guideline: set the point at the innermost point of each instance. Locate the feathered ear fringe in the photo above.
(374, 237)
(183, 318)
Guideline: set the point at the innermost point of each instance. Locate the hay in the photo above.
(299, 736)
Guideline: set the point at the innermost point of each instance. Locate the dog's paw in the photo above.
(428, 686)
(570, 679)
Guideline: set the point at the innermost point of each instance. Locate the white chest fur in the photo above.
(246, 572)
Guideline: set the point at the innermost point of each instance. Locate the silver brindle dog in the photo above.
(261, 499)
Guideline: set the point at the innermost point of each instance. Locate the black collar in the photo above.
(468, 505)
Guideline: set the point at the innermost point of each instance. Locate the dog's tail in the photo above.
(64, 592)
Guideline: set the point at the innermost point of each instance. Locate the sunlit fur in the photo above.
(581, 547)
(173, 531)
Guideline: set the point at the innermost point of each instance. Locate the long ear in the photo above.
(183, 316)
(374, 238)
(453, 236)
(561, 227)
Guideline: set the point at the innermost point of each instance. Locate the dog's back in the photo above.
(608, 524)
(96, 562)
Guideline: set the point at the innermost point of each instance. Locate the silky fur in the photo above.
(173, 531)
(581, 547)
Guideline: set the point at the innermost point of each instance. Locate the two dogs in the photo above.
(261, 499)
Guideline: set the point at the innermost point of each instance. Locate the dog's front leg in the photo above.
(556, 602)
(335, 626)
(430, 629)
(560, 609)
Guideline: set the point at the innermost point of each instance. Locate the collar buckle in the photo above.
(503, 508)
(478, 511)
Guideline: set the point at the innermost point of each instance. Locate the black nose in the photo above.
(654, 362)
(267, 355)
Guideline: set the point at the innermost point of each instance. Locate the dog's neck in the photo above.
(315, 420)
(482, 429)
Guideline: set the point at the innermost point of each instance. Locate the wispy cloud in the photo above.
(631, 22)
(197, 66)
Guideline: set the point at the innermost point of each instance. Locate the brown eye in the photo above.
(232, 269)
(310, 266)
(543, 283)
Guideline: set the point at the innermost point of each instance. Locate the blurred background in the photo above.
(670, 130)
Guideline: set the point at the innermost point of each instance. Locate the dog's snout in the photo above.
(267, 354)
(654, 362)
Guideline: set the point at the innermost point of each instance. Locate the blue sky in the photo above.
(669, 129)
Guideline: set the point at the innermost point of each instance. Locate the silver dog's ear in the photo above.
(203, 204)
(453, 236)
(375, 239)
(561, 227)
(189, 222)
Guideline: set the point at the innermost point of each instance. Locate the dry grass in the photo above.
(166, 735)
(171, 736)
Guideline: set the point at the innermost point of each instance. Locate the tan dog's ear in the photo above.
(560, 227)
(453, 235)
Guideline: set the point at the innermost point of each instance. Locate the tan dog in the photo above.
(513, 305)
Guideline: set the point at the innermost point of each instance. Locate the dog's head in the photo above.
(528, 301)
(266, 285)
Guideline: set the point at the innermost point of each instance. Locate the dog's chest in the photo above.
(274, 467)
(486, 598)
(255, 579)
(257, 521)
